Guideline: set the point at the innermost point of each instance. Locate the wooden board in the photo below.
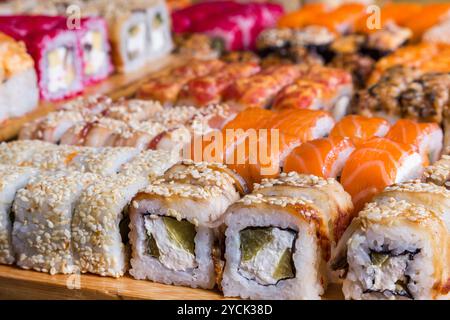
(116, 86)
(16, 283)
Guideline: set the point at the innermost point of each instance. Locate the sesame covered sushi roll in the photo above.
(18, 152)
(43, 215)
(279, 238)
(99, 225)
(396, 250)
(12, 179)
(172, 224)
(151, 163)
(439, 172)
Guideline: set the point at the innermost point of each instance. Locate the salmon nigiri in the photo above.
(360, 128)
(321, 157)
(426, 137)
(376, 164)
(304, 124)
(302, 17)
(249, 118)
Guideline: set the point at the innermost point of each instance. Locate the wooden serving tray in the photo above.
(116, 86)
(16, 283)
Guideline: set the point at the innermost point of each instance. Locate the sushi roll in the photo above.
(360, 129)
(395, 250)
(138, 135)
(42, 227)
(274, 41)
(426, 98)
(13, 178)
(385, 41)
(103, 206)
(316, 39)
(324, 157)
(437, 34)
(95, 50)
(382, 98)
(376, 164)
(17, 152)
(303, 16)
(259, 90)
(166, 88)
(55, 50)
(439, 172)
(198, 46)
(171, 242)
(430, 15)
(359, 66)
(278, 239)
(17, 72)
(159, 23)
(209, 89)
(427, 136)
(133, 110)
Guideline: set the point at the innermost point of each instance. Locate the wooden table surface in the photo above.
(16, 283)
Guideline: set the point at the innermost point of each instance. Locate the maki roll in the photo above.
(439, 172)
(396, 250)
(150, 163)
(316, 39)
(172, 224)
(324, 157)
(198, 46)
(165, 89)
(278, 239)
(13, 178)
(42, 226)
(209, 89)
(376, 164)
(426, 98)
(274, 41)
(359, 66)
(16, 72)
(95, 49)
(382, 98)
(426, 137)
(360, 129)
(55, 50)
(17, 152)
(158, 20)
(99, 225)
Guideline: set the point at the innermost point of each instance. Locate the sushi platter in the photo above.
(224, 149)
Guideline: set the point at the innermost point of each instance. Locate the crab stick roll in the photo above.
(13, 178)
(104, 206)
(304, 124)
(439, 172)
(377, 164)
(395, 250)
(172, 222)
(278, 239)
(42, 226)
(17, 152)
(259, 90)
(427, 137)
(165, 89)
(324, 157)
(209, 89)
(360, 128)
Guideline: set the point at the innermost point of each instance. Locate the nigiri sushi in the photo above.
(324, 157)
(427, 137)
(376, 164)
(360, 128)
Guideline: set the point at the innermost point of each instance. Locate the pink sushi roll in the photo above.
(95, 50)
(55, 50)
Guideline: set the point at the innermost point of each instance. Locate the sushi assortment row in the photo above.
(250, 84)
(73, 49)
(198, 224)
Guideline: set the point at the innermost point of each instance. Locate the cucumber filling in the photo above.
(266, 254)
(390, 273)
(61, 69)
(158, 33)
(93, 52)
(171, 241)
(136, 42)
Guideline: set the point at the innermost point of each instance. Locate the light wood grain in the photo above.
(16, 283)
(116, 86)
